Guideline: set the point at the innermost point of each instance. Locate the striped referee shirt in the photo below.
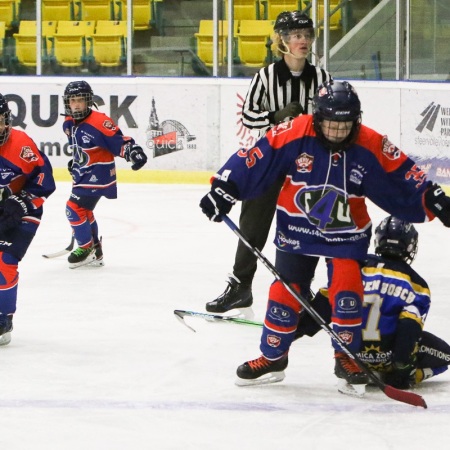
(274, 87)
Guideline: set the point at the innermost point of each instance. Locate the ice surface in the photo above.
(98, 360)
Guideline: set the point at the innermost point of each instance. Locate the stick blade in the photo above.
(405, 396)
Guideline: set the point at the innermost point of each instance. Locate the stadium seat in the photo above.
(204, 40)
(25, 41)
(2, 38)
(69, 42)
(252, 39)
(273, 7)
(96, 10)
(109, 43)
(245, 9)
(142, 13)
(58, 10)
(335, 19)
(9, 13)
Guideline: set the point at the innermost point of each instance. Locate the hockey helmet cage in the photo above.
(337, 101)
(5, 118)
(78, 89)
(397, 239)
(292, 20)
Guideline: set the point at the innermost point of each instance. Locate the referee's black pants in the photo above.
(255, 221)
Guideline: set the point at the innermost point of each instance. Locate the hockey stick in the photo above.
(391, 392)
(181, 314)
(68, 249)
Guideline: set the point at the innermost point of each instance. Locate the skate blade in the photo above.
(87, 261)
(5, 338)
(268, 378)
(355, 390)
(239, 313)
(97, 263)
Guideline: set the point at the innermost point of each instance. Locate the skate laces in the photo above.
(81, 251)
(259, 363)
(347, 363)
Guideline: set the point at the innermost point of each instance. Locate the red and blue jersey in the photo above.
(322, 208)
(23, 168)
(95, 142)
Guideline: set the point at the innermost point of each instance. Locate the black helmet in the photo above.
(5, 116)
(78, 89)
(291, 20)
(337, 101)
(397, 239)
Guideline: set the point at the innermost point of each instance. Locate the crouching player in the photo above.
(396, 303)
(25, 183)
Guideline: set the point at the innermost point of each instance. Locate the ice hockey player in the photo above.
(331, 164)
(95, 141)
(26, 182)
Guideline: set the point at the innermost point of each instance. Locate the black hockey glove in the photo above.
(402, 376)
(293, 109)
(14, 208)
(219, 201)
(136, 156)
(70, 166)
(438, 203)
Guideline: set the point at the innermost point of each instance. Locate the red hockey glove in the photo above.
(438, 203)
(219, 201)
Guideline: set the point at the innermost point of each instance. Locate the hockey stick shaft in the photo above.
(68, 249)
(391, 392)
(181, 313)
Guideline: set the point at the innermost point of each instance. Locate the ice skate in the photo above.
(81, 257)
(6, 327)
(235, 296)
(98, 261)
(352, 380)
(261, 371)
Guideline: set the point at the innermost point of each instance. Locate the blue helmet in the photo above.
(397, 239)
(78, 89)
(337, 101)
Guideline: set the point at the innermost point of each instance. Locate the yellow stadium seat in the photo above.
(109, 43)
(204, 40)
(96, 10)
(58, 10)
(245, 9)
(142, 13)
(9, 13)
(2, 37)
(252, 39)
(25, 41)
(69, 48)
(274, 7)
(335, 19)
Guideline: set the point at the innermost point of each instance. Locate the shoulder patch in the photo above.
(109, 125)
(27, 154)
(389, 149)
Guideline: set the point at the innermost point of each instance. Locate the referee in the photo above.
(277, 93)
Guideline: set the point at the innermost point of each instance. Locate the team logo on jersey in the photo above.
(389, 149)
(304, 163)
(273, 341)
(279, 313)
(27, 154)
(109, 125)
(346, 336)
(281, 128)
(347, 304)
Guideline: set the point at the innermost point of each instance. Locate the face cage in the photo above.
(4, 135)
(396, 253)
(307, 33)
(337, 146)
(78, 115)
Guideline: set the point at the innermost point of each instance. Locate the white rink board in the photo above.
(205, 116)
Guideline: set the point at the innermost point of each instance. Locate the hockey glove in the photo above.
(136, 156)
(14, 208)
(293, 109)
(70, 166)
(402, 376)
(219, 201)
(438, 203)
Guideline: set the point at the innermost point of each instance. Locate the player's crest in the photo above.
(390, 150)
(27, 154)
(304, 163)
(273, 341)
(281, 127)
(109, 125)
(346, 336)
